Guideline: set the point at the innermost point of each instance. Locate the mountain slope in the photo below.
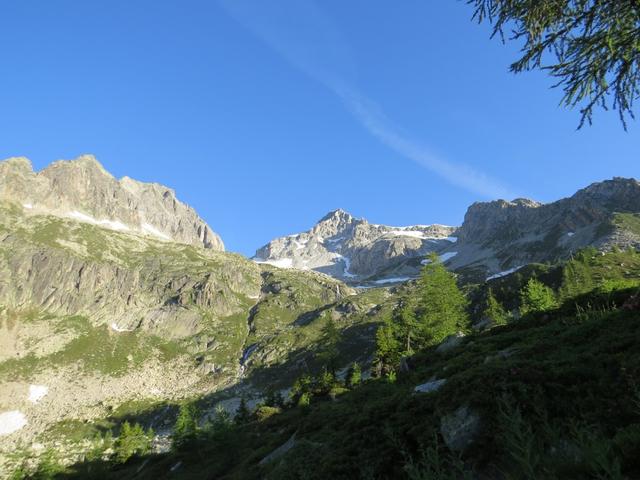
(354, 250)
(83, 190)
(94, 319)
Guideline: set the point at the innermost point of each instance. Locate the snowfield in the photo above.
(391, 280)
(37, 392)
(11, 422)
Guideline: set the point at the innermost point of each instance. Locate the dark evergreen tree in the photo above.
(329, 352)
(186, 428)
(243, 414)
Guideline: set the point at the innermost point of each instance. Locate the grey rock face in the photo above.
(352, 249)
(83, 190)
(148, 296)
(500, 236)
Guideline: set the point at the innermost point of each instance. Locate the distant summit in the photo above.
(356, 251)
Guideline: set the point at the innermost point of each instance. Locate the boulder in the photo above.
(451, 342)
(460, 428)
(430, 386)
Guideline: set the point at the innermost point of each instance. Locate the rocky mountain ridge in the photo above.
(494, 239)
(83, 190)
(499, 236)
(354, 250)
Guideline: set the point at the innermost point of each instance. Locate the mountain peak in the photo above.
(21, 163)
(338, 213)
(85, 162)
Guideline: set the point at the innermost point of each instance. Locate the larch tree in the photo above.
(591, 48)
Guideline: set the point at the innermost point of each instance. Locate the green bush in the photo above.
(264, 412)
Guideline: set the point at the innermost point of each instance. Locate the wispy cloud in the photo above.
(307, 38)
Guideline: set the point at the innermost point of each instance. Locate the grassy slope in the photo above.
(573, 376)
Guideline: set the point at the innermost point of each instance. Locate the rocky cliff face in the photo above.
(354, 250)
(498, 236)
(83, 190)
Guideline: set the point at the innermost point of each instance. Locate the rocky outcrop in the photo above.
(83, 190)
(353, 249)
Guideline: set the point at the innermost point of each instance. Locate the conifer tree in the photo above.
(329, 352)
(409, 327)
(186, 427)
(133, 440)
(536, 297)
(387, 345)
(577, 277)
(243, 415)
(443, 306)
(495, 311)
(355, 375)
(589, 47)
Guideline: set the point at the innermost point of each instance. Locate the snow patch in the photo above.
(27, 205)
(300, 244)
(11, 422)
(452, 239)
(505, 273)
(347, 267)
(447, 256)
(571, 234)
(280, 262)
(37, 392)
(114, 326)
(151, 230)
(408, 233)
(443, 258)
(111, 224)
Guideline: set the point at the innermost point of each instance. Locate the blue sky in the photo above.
(264, 119)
